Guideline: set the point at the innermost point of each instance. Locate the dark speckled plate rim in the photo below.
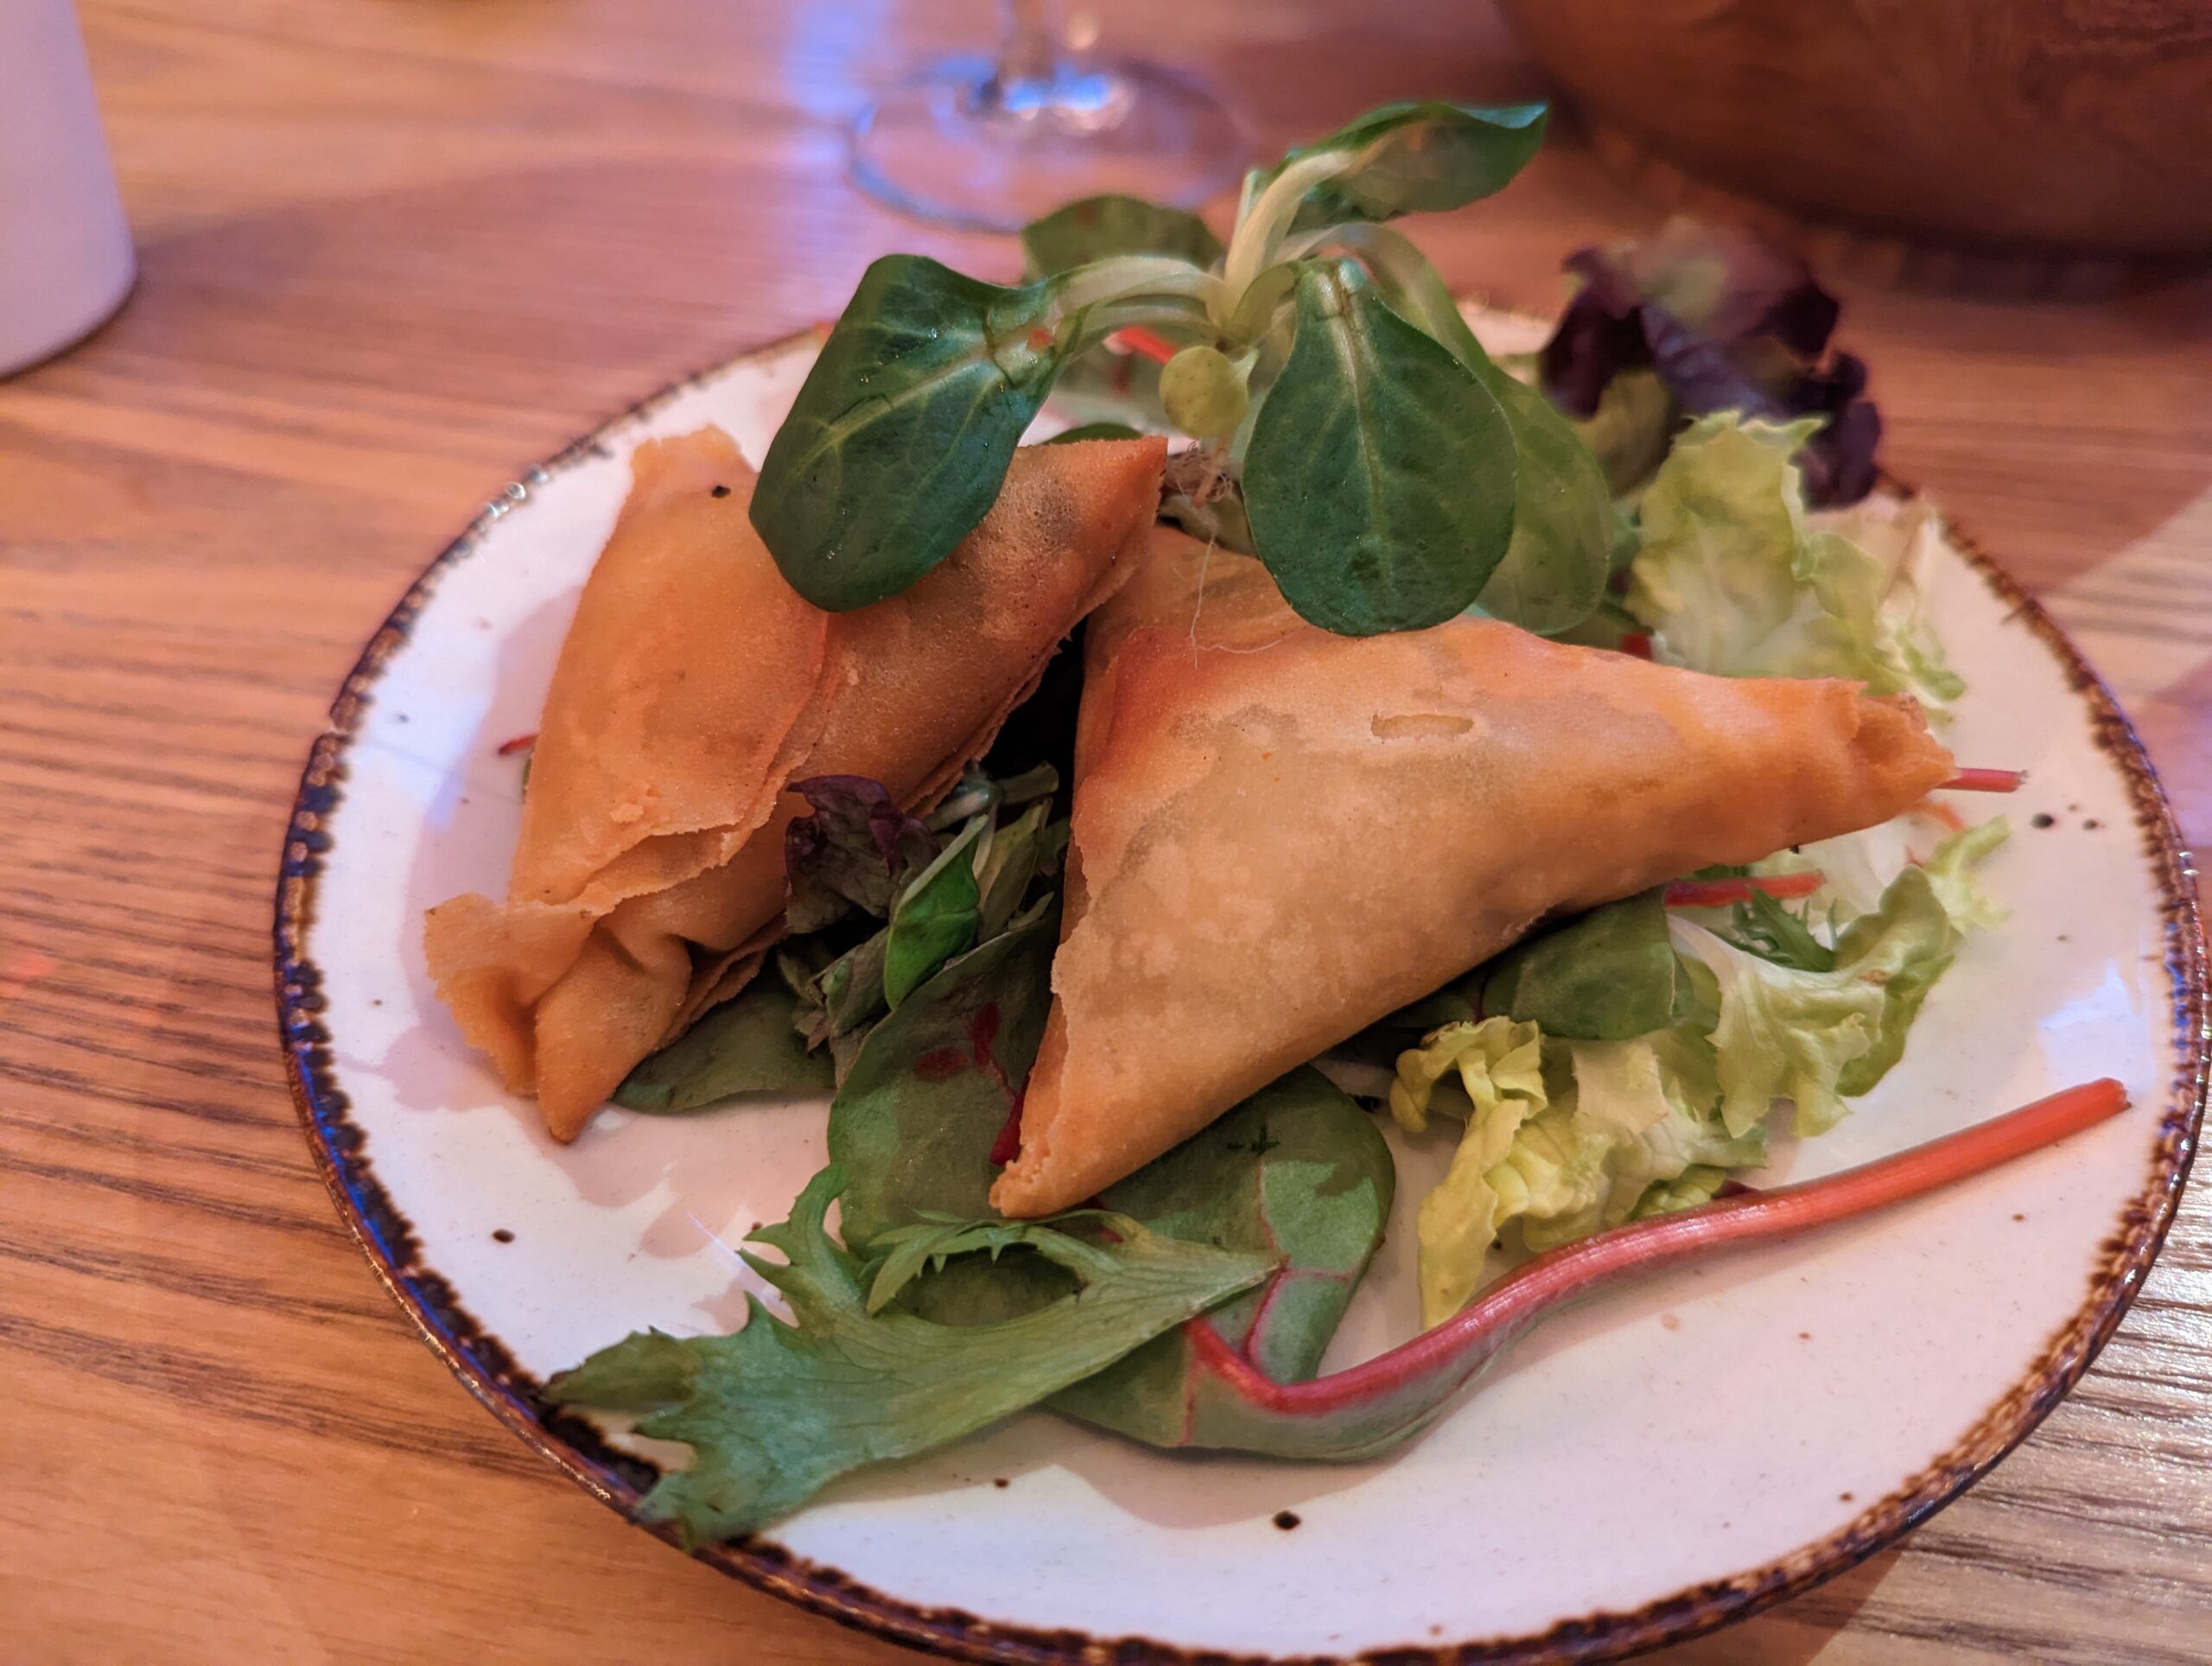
(490, 1373)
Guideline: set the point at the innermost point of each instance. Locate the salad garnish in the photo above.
(1392, 475)
(776, 1411)
(1700, 319)
(1046, 927)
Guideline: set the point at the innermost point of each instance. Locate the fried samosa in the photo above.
(693, 686)
(1282, 836)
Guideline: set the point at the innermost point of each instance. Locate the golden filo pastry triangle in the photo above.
(1281, 836)
(693, 685)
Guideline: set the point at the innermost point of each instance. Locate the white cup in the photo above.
(65, 251)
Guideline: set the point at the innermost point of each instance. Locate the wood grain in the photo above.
(393, 252)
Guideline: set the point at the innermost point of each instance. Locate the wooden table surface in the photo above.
(393, 251)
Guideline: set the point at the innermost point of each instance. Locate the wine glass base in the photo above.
(957, 145)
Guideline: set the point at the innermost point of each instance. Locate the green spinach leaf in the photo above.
(933, 1083)
(747, 1045)
(902, 434)
(1380, 479)
(1606, 975)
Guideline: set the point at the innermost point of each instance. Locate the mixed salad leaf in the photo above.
(932, 1086)
(1630, 1080)
(1654, 488)
(1731, 575)
(1703, 319)
(1297, 1172)
(777, 1410)
(1315, 342)
(749, 1045)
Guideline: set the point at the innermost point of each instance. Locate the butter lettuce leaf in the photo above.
(1904, 539)
(779, 1409)
(1732, 577)
(1951, 872)
(1567, 1135)
(1814, 1037)
(1492, 1072)
(1469, 1069)
(1562, 1139)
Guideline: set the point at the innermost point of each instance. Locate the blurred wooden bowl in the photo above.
(2033, 127)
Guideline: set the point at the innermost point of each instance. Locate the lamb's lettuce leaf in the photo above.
(1412, 158)
(901, 434)
(1096, 228)
(779, 1409)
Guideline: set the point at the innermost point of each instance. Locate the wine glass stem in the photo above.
(1035, 48)
(1037, 86)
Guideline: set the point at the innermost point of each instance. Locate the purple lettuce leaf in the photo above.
(856, 850)
(1727, 324)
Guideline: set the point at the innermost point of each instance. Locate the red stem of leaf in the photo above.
(1135, 338)
(1574, 1270)
(517, 743)
(1007, 1146)
(1719, 893)
(1985, 780)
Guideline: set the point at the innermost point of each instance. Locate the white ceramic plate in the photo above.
(1656, 1463)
